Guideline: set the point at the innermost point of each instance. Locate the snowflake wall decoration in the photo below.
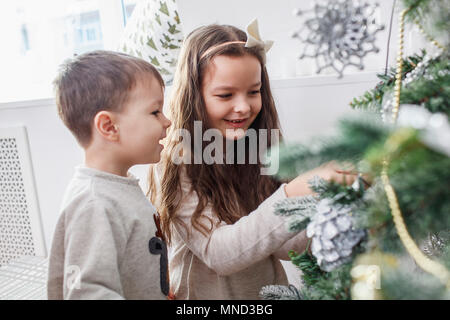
(339, 34)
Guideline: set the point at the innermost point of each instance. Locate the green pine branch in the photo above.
(339, 193)
(418, 174)
(431, 90)
(354, 137)
(320, 285)
(371, 100)
(435, 11)
(420, 177)
(408, 282)
(309, 267)
(299, 210)
(304, 206)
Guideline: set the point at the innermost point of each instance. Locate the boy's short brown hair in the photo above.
(93, 82)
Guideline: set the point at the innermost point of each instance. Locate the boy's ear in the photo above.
(104, 124)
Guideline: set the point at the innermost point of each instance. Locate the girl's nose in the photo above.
(242, 106)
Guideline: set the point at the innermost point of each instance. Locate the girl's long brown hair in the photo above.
(232, 190)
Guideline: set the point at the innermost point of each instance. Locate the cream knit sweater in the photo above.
(233, 261)
(103, 236)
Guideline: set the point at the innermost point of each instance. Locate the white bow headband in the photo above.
(253, 40)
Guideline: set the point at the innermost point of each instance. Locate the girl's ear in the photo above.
(104, 125)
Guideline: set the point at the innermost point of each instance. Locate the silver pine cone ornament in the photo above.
(333, 235)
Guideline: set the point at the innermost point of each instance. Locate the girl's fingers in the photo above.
(367, 180)
(352, 176)
(347, 172)
(345, 177)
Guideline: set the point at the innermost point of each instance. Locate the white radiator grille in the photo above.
(20, 224)
(24, 279)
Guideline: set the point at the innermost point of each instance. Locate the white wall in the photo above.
(54, 153)
(277, 22)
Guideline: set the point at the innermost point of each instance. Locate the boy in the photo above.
(104, 242)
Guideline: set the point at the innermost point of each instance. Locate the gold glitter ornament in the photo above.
(366, 274)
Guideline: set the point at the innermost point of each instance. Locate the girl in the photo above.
(225, 241)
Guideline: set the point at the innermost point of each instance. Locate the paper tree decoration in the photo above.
(154, 33)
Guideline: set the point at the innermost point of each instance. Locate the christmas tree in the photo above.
(389, 239)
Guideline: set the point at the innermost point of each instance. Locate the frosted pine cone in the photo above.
(333, 236)
(279, 292)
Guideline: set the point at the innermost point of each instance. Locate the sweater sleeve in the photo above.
(93, 245)
(297, 244)
(230, 248)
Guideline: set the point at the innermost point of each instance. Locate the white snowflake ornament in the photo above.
(339, 34)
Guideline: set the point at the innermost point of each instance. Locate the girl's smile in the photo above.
(237, 123)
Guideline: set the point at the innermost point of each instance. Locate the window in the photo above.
(38, 35)
(88, 31)
(25, 41)
(128, 7)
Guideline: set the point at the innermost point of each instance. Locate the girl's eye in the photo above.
(155, 112)
(224, 96)
(255, 92)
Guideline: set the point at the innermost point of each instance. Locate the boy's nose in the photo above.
(167, 122)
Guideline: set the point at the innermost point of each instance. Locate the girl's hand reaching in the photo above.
(341, 173)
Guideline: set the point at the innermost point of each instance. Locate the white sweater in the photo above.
(233, 261)
(103, 234)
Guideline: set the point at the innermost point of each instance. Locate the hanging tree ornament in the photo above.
(333, 235)
(435, 243)
(330, 224)
(340, 34)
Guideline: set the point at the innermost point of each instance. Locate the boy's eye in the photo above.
(155, 112)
